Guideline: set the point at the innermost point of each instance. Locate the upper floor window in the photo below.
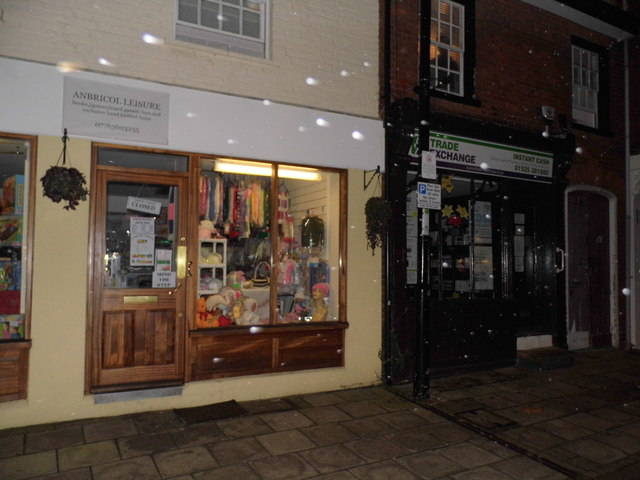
(586, 86)
(234, 25)
(447, 46)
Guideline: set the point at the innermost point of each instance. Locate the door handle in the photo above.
(562, 264)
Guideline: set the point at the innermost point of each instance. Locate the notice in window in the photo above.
(482, 222)
(483, 268)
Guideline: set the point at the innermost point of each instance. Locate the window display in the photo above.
(278, 250)
(12, 239)
(16, 167)
(462, 241)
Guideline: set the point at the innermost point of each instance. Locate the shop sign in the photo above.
(163, 280)
(471, 155)
(143, 205)
(103, 110)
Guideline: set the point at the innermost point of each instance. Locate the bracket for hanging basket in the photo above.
(64, 183)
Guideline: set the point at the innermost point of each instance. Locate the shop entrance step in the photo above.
(545, 358)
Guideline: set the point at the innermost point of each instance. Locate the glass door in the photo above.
(139, 277)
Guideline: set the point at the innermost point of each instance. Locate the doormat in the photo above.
(207, 413)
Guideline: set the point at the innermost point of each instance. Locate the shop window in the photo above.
(269, 240)
(464, 247)
(589, 85)
(238, 26)
(451, 53)
(16, 166)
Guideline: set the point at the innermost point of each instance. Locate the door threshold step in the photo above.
(546, 358)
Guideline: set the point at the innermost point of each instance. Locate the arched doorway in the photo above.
(590, 225)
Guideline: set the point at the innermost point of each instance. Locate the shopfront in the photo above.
(491, 259)
(208, 267)
(210, 261)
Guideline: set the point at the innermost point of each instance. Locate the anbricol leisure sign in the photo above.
(472, 155)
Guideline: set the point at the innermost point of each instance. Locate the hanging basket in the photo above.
(65, 183)
(61, 183)
(378, 213)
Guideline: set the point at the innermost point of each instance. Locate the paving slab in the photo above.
(332, 458)
(54, 438)
(288, 441)
(286, 420)
(145, 444)
(383, 471)
(108, 429)
(197, 434)
(239, 471)
(325, 414)
(87, 455)
(290, 466)
(237, 451)
(141, 468)
(184, 461)
(11, 444)
(431, 462)
(377, 448)
(244, 427)
(328, 434)
(28, 466)
(80, 474)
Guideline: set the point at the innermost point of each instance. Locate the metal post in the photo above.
(422, 371)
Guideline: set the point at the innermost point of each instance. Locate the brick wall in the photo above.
(308, 39)
(523, 61)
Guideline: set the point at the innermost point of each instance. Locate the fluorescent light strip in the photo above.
(226, 167)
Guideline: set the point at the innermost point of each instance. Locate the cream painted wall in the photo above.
(56, 371)
(333, 41)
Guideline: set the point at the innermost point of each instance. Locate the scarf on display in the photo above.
(236, 204)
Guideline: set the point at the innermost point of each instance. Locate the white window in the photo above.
(447, 46)
(237, 26)
(585, 86)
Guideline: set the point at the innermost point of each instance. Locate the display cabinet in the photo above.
(212, 265)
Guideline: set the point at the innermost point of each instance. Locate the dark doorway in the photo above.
(589, 269)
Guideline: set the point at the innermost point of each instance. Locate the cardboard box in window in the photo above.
(11, 326)
(11, 230)
(13, 195)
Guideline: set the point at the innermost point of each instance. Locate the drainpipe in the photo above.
(630, 304)
(422, 370)
(388, 138)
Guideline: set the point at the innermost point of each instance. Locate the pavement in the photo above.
(578, 422)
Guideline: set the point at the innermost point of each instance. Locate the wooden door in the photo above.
(589, 270)
(137, 310)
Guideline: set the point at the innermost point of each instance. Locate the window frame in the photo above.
(16, 351)
(467, 81)
(602, 100)
(337, 245)
(231, 42)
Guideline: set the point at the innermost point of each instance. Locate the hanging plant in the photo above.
(378, 213)
(64, 183)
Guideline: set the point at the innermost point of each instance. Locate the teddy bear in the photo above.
(205, 319)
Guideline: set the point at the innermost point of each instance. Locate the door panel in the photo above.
(138, 309)
(589, 266)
